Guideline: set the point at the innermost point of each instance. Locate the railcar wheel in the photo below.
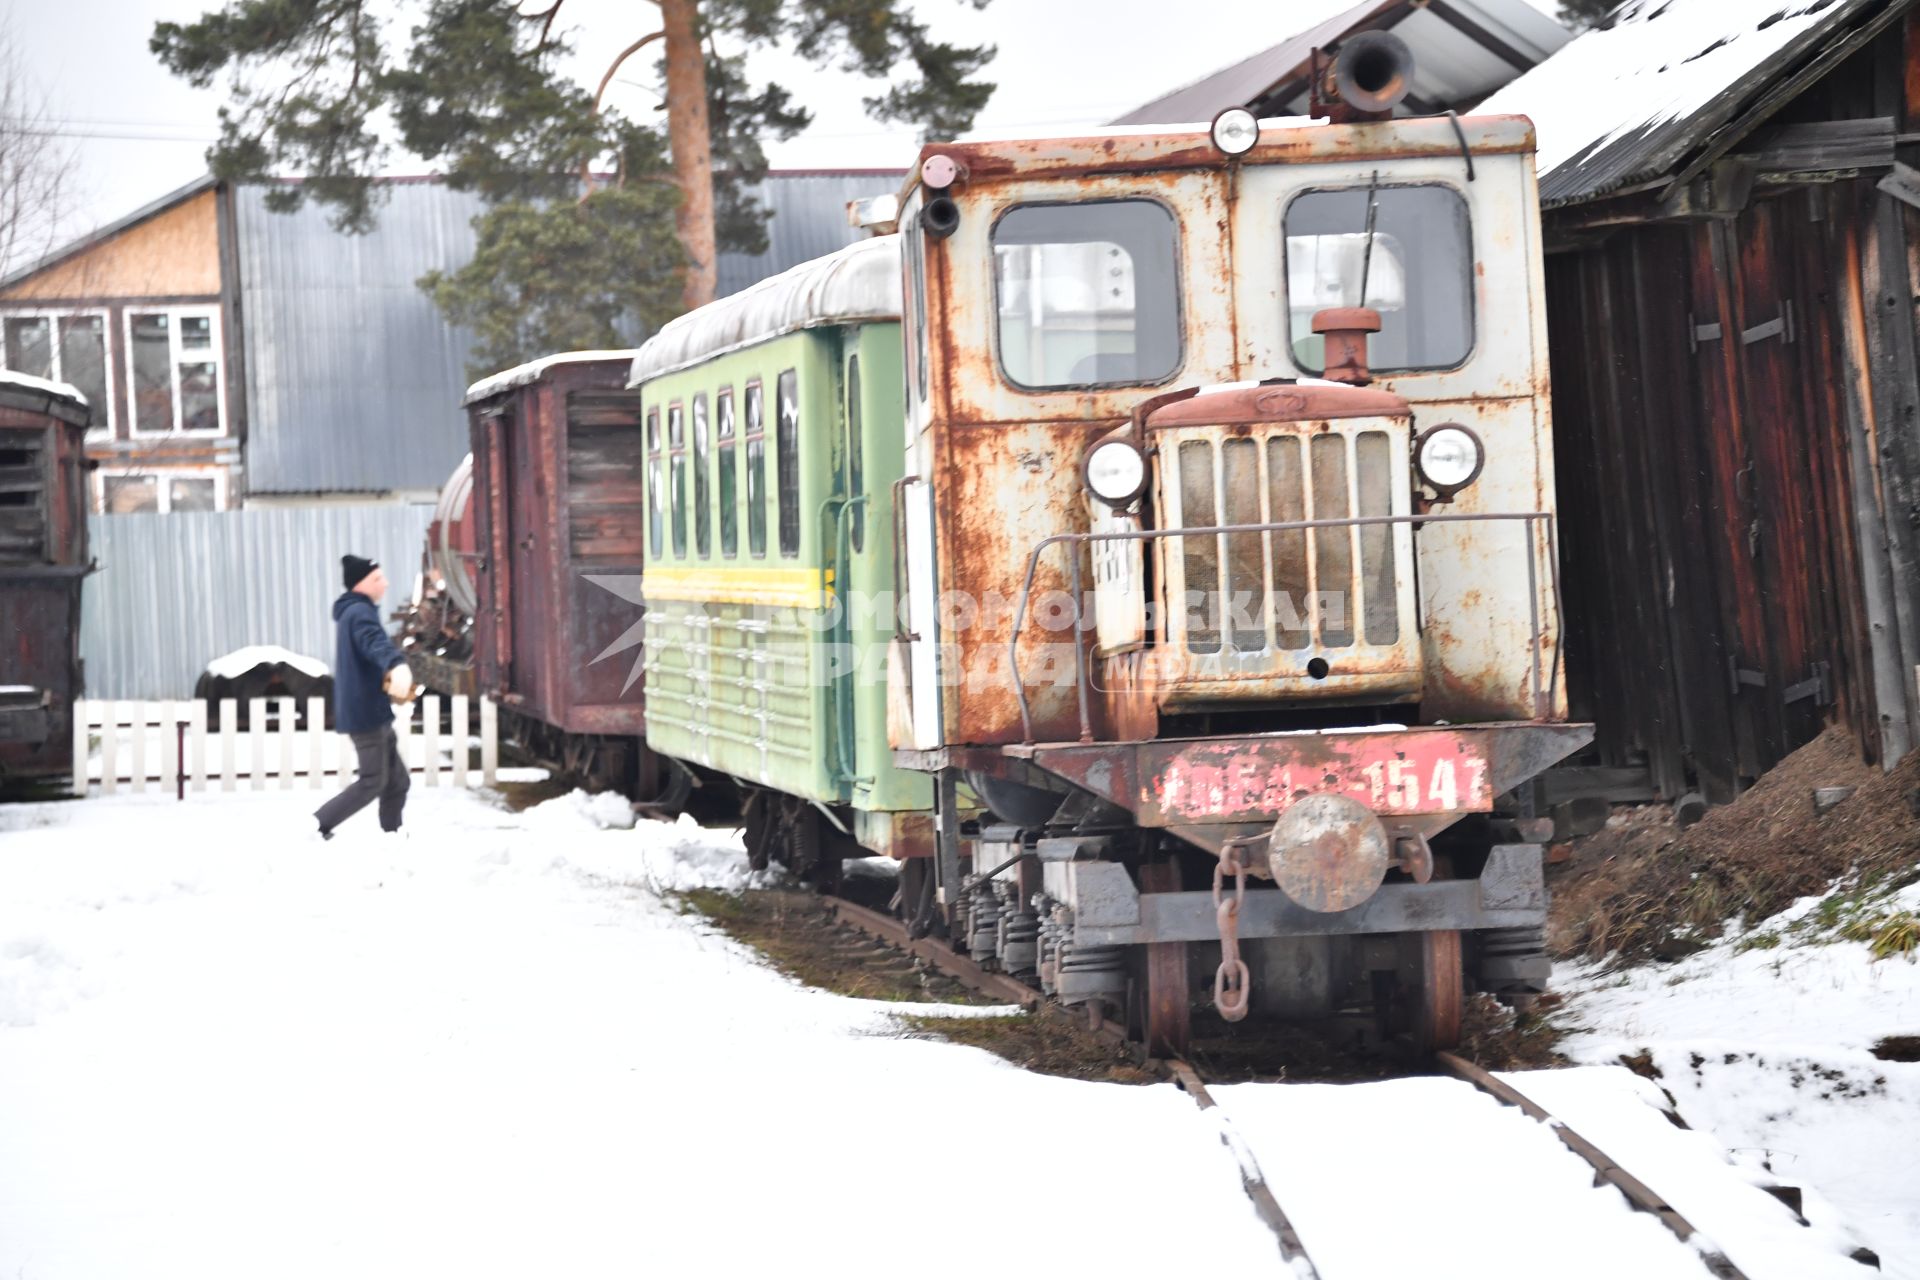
(757, 831)
(1169, 1002)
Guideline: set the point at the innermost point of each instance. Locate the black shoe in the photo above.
(325, 834)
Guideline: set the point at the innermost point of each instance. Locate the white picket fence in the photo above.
(169, 746)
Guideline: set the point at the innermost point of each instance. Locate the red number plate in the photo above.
(1395, 773)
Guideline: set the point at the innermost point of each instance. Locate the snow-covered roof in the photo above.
(43, 386)
(532, 370)
(859, 283)
(1625, 105)
(241, 661)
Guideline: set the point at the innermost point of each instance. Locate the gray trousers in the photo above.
(382, 776)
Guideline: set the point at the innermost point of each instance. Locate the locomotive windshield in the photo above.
(1088, 294)
(1420, 277)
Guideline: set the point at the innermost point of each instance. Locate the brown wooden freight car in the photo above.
(43, 559)
(558, 526)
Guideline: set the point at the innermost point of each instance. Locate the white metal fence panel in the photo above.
(174, 591)
(167, 745)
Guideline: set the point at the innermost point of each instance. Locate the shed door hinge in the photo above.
(1738, 676)
(1781, 327)
(1699, 333)
(1816, 686)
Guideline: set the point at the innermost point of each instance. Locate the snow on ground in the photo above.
(1768, 1048)
(496, 1047)
(492, 1049)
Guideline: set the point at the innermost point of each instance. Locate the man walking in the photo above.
(369, 676)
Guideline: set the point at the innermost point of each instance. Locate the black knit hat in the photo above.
(353, 570)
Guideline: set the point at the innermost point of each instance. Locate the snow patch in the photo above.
(241, 661)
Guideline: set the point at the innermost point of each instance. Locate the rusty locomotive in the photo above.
(1147, 538)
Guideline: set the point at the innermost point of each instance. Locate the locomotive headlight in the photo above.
(1116, 472)
(1448, 457)
(1235, 130)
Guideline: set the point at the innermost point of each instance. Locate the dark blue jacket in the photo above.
(362, 656)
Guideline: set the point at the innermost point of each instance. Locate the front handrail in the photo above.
(1535, 645)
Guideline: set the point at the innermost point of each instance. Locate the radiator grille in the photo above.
(1293, 591)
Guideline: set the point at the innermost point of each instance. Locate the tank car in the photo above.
(43, 561)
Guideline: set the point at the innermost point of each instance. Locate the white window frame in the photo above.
(108, 408)
(161, 476)
(215, 354)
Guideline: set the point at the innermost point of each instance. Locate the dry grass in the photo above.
(1644, 890)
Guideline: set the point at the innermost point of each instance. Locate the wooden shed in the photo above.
(1732, 235)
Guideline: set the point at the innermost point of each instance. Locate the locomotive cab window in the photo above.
(1087, 295)
(728, 481)
(1418, 269)
(656, 484)
(787, 461)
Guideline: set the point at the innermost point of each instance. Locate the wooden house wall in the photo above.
(1735, 419)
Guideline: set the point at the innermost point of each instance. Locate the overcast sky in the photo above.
(138, 133)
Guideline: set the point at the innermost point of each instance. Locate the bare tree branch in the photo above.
(35, 165)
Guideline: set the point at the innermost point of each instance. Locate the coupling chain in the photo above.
(1231, 993)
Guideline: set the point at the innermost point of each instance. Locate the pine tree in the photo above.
(565, 252)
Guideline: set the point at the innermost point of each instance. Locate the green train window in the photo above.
(677, 467)
(856, 463)
(702, 517)
(756, 471)
(725, 462)
(656, 484)
(787, 462)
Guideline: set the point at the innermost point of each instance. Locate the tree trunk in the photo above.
(692, 151)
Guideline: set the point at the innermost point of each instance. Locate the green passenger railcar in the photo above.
(773, 429)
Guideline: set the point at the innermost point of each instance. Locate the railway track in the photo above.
(892, 934)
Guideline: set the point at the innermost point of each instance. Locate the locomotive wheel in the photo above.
(1169, 1004)
(1424, 999)
(1440, 996)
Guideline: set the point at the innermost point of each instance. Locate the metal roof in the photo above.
(1463, 50)
(522, 375)
(1671, 83)
(859, 282)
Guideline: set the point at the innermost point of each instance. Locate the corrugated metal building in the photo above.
(1463, 50)
(1733, 249)
(353, 379)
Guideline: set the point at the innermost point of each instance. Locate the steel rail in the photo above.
(962, 969)
(1605, 1168)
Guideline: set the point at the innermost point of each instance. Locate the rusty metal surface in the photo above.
(1205, 781)
(1328, 852)
(1132, 153)
(1278, 404)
